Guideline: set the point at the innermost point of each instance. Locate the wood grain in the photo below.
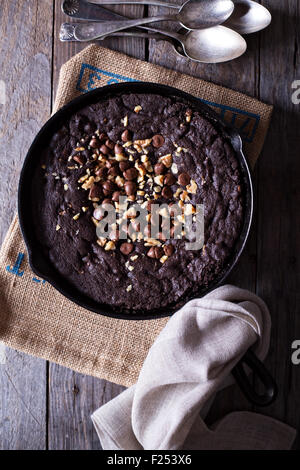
(278, 273)
(56, 415)
(25, 68)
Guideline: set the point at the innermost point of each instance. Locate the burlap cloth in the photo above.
(34, 317)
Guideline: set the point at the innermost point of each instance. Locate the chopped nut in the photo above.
(189, 209)
(159, 179)
(89, 183)
(79, 149)
(120, 157)
(174, 168)
(101, 242)
(163, 259)
(143, 143)
(58, 227)
(138, 148)
(120, 181)
(66, 187)
(192, 187)
(167, 160)
(76, 217)
(83, 178)
(137, 109)
(84, 209)
(134, 258)
(178, 192)
(110, 246)
(144, 158)
(128, 144)
(152, 242)
(43, 167)
(125, 121)
(157, 189)
(140, 193)
(129, 288)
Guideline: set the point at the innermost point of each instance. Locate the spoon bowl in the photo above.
(199, 14)
(213, 45)
(248, 17)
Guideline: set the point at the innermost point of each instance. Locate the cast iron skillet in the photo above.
(42, 266)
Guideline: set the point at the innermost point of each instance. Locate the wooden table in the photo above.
(45, 406)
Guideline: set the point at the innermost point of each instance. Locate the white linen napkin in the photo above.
(189, 361)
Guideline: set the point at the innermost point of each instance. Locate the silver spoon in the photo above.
(248, 17)
(193, 14)
(210, 45)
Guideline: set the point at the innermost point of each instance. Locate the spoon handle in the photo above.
(132, 2)
(90, 31)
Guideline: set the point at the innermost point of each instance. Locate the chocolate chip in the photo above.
(102, 136)
(159, 169)
(124, 165)
(116, 196)
(184, 179)
(126, 248)
(167, 192)
(102, 172)
(130, 188)
(126, 136)
(98, 213)
(108, 188)
(95, 192)
(131, 174)
(169, 250)
(107, 201)
(169, 179)
(109, 144)
(111, 163)
(79, 159)
(118, 149)
(155, 252)
(94, 143)
(105, 150)
(114, 171)
(158, 140)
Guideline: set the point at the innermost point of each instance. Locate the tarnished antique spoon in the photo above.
(192, 15)
(248, 17)
(211, 45)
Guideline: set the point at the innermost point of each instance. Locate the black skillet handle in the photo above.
(261, 372)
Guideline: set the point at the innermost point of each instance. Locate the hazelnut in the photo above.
(184, 179)
(159, 169)
(126, 136)
(158, 140)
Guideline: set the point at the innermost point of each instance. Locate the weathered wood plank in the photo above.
(278, 275)
(25, 71)
(73, 397)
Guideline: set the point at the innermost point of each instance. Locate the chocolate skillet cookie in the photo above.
(148, 148)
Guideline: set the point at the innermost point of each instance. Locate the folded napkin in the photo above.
(188, 363)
